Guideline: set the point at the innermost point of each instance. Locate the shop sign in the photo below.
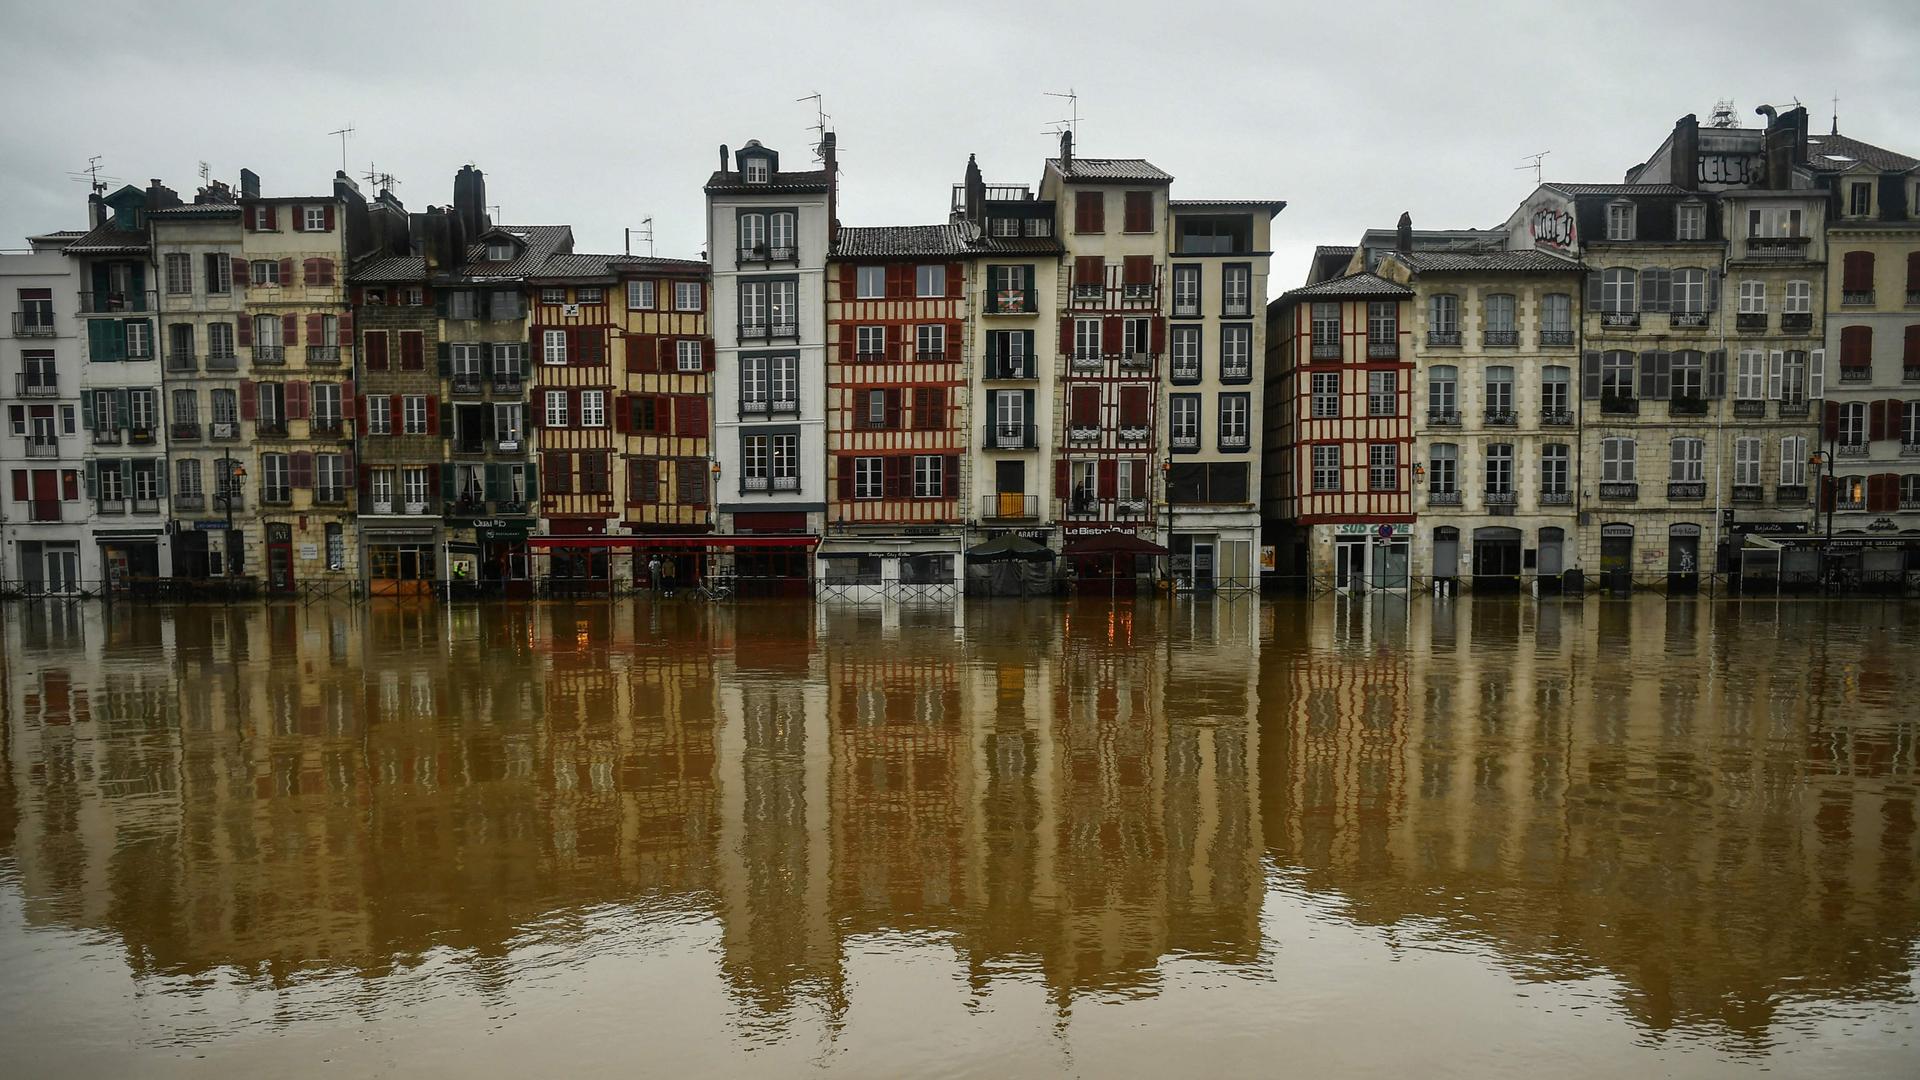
(1683, 530)
(210, 526)
(1616, 531)
(309, 552)
(1383, 530)
(1268, 560)
(1772, 528)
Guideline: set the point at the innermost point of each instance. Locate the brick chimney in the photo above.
(1683, 166)
(830, 158)
(1403, 234)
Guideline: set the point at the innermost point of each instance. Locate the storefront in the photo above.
(1211, 561)
(893, 567)
(1616, 557)
(1371, 556)
(130, 559)
(1496, 559)
(1683, 558)
(780, 562)
(400, 561)
(501, 564)
(717, 554)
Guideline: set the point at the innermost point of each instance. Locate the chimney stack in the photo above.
(975, 199)
(1403, 234)
(830, 157)
(96, 210)
(1066, 150)
(1683, 166)
(249, 184)
(470, 200)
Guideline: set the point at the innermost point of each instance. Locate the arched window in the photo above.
(1443, 393)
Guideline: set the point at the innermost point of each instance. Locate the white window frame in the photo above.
(380, 484)
(1753, 297)
(1497, 470)
(379, 414)
(1183, 417)
(553, 347)
(1383, 385)
(1687, 460)
(756, 170)
(1501, 312)
(869, 283)
(641, 295)
(1443, 313)
(1556, 312)
(499, 251)
(313, 218)
(187, 478)
(1234, 410)
(1622, 221)
(590, 294)
(930, 341)
(413, 414)
(930, 281)
(870, 341)
(1690, 221)
(1793, 461)
(1443, 468)
(1325, 460)
(1798, 299)
(1325, 395)
(1383, 460)
(686, 296)
(593, 408)
(869, 478)
(558, 409)
(179, 266)
(1443, 389)
(1746, 461)
(553, 295)
(689, 355)
(782, 227)
(929, 476)
(1689, 289)
(139, 339)
(1086, 339)
(1618, 460)
(1556, 468)
(1750, 376)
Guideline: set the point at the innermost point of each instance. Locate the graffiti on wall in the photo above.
(1554, 228)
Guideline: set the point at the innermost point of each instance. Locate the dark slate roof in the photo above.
(1823, 150)
(1486, 262)
(730, 183)
(1275, 205)
(1016, 245)
(107, 240)
(574, 266)
(389, 268)
(1619, 189)
(638, 263)
(899, 241)
(540, 240)
(1362, 284)
(197, 210)
(1113, 170)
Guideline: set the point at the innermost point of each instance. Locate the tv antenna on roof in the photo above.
(206, 173)
(380, 180)
(819, 127)
(1724, 114)
(91, 174)
(343, 133)
(646, 231)
(1534, 160)
(1072, 121)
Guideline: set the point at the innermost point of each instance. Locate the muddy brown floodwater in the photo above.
(1487, 838)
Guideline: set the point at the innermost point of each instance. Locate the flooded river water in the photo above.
(1485, 838)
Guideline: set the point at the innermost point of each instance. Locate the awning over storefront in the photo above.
(1094, 545)
(1009, 548)
(701, 542)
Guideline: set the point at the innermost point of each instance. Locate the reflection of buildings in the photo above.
(1577, 791)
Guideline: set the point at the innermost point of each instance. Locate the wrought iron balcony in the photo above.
(1856, 373)
(1233, 442)
(269, 355)
(270, 426)
(1748, 494)
(323, 426)
(1083, 432)
(235, 501)
(1556, 418)
(1749, 409)
(146, 505)
(276, 496)
(1443, 338)
(1856, 298)
(1236, 373)
(106, 436)
(1500, 503)
(1793, 410)
(183, 431)
(323, 355)
(1184, 371)
(140, 435)
(1326, 350)
(1619, 405)
(1010, 506)
(465, 384)
(1750, 321)
(1500, 339)
(42, 385)
(190, 503)
(1443, 418)
(1553, 339)
(1777, 247)
(506, 382)
(1850, 449)
(1443, 498)
(1619, 490)
(1138, 360)
(33, 324)
(1620, 320)
(1687, 406)
(1184, 440)
(1910, 374)
(1383, 350)
(180, 362)
(1910, 449)
(1079, 505)
(223, 361)
(329, 496)
(1087, 361)
(1017, 367)
(1556, 497)
(43, 447)
(1687, 320)
(1501, 418)
(116, 303)
(1796, 323)
(1133, 432)
(1686, 490)
(1790, 494)
(1129, 508)
(1010, 302)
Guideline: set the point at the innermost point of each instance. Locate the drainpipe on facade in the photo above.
(1720, 452)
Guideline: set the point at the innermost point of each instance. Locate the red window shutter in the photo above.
(413, 350)
(346, 398)
(1137, 269)
(1133, 406)
(1139, 211)
(1088, 270)
(707, 354)
(239, 273)
(893, 343)
(286, 270)
(326, 265)
(309, 273)
(396, 414)
(315, 331)
(898, 477)
(1857, 271)
(290, 329)
(956, 280)
(696, 426)
(19, 485)
(300, 468)
(622, 414)
(299, 220)
(1138, 468)
(848, 283)
(892, 399)
(328, 221)
(1060, 479)
(843, 477)
(433, 415)
(1159, 335)
(1109, 478)
(1830, 424)
(1086, 406)
(361, 406)
(1910, 354)
(1066, 336)
(69, 485)
(847, 333)
(1876, 420)
(950, 477)
(1856, 346)
(273, 219)
(296, 400)
(243, 330)
(376, 350)
(346, 329)
(1111, 337)
(634, 352)
(249, 400)
(1089, 211)
(346, 461)
(1913, 271)
(899, 281)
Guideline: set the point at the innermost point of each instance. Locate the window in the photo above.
(689, 354)
(1383, 467)
(1750, 376)
(379, 417)
(1859, 199)
(753, 235)
(1556, 316)
(1383, 393)
(414, 483)
(1620, 221)
(929, 282)
(596, 473)
(784, 301)
(870, 341)
(1619, 290)
(1555, 468)
(1443, 391)
(1004, 226)
(1326, 467)
(1499, 318)
(1326, 326)
(868, 479)
(1326, 394)
(1793, 461)
(929, 476)
(1617, 460)
(553, 348)
(1236, 353)
(499, 251)
(1853, 423)
(1687, 460)
(275, 478)
(1186, 290)
(414, 414)
(314, 219)
(264, 272)
(1089, 211)
(870, 282)
(1753, 297)
(547, 296)
(1039, 226)
(1799, 298)
(1233, 421)
(756, 170)
(1443, 463)
(1616, 374)
(1746, 462)
(139, 339)
(876, 408)
(1689, 290)
(1499, 469)
(1183, 421)
(1499, 391)
(640, 296)
(187, 479)
(506, 421)
(556, 409)
(1443, 314)
(593, 408)
(1086, 339)
(1383, 322)
(780, 234)
(1138, 210)
(1773, 222)
(930, 341)
(1236, 290)
(1185, 354)
(590, 294)
(1792, 385)
(1691, 222)
(786, 460)
(179, 273)
(1686, 371)
(219, 273)
(261, 217)
(380, 489)
(186, 407)
(686, 296)
(225, 406)
(1556, 391)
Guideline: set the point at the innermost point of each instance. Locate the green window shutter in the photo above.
(496, 485)
(533, 481)
(137, 279)
(86, 410)
(446, 481)
(93, 479)
(122, 408)
(126, 477)
(160, 478)
(526, 362)
(440, 304)
(100, 334)
(445, 354)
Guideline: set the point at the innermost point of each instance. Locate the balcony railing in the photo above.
(1501, 339)
(276, 496)
(1138, 360)
(1556, 418)
(270, 426)
(1500, 503)
(323, 427)
(323, 355)
(1910, 449)
(329, 496)
(1777, 247)
(43, 448)
(1687, 406)
(1790, 494)
(786, 483)
(178, 362)
(1856, 373)
(1844, 504)
(1131, 433)
(1748, 494)
(1130, 507)
(1443, 498)
(1383, 350)
(1687, 320)
(466, 384)
(141, 434)
(1749, 409)
(1085, 361)
(223, 361)
(1326, 350)
(764, 253)
(1444, 338)
(107, 506)
(1080, 505)
(1686, 490)
(146, 504)
(1620, 320)
(1010, 506)
(1233, 442)
(1794, 410)
(1184, 440)
(1850, 449)
(220, 431)
(1910, 374)
(43, 510)
(1619, 490)
(1009, 436)
(190, 503)
(1796, 323)
(1443, 418)
(32, 324)
(1114, 292)
(1556, 497)
(1750, 322)
(1236, 373)
(1010, 302)
(36, 385)
(506, 382)
(1083, 432)
(1184, 371)
(236, 501)
(1020, 367)
(106, 436)
(269, 355)
(1555, 338)
(1856, 298)
(1501, 418)
(1617, 405)
(114, 303)
(1185, 308)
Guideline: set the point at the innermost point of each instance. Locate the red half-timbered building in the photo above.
(663, 368)
(571, 410)
(1339, 379)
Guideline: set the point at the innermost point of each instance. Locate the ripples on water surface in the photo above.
(1358, 838)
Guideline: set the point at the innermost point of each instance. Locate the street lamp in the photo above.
(230, 481)
(1829, 494)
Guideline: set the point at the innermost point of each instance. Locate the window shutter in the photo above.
(893, 484)
(1590, 375)
(296, 400)
(1876, 421)
(1137, 269)
(1910, 347)
(1159, 336)
(1088, 270)
(361, 406)
(86, 411)
(346, 398)
(696, 425)
(1716, 380)
(847, 334)
(443, 358)
(1110, 336)
(1060, 479)
(240, 280)
(249, 400)
(309, 273)
(1026, 410)
(1085, 406)
(1593, 290)
(1913, 271)
(1109, 472)
(315, 331)
(849, 287)
(290, 329)
(286, 270)
(1830, 422)
(1713, 290)
(893, 343)
(1066, 337)
(1817, 374)
(376, 347)
(622, 406)
(708, 354)
(956, 280)
(299, 220)
(635, 352)
(93, 479)
(1775, 373)
(300, 469)
(273, 218)
(345, 333)
(122, 408)
(1857, 271)
(396, 414)
(328, 220)
(892, 416)
(1649, 374)
(843, 467)
(326, 265)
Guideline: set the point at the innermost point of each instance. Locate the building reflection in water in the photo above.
(1714, 805)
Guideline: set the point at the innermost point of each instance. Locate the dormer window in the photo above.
(499, 251)
(1003, 226)
(757, 171)
(1691, 222)
(1860, 199)
(1620, 221)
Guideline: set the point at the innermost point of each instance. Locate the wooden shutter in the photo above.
(376, 347)
(892, 398)
(1139, 209)
(1830, 422)
(1593, 290)
(326, 265)
(315, 330)
(299, 220)
(1060, 479)
(1109, 476)
(273, 218)
(296, 392)
(1136, 269)
(1085, 406)
(1715, 383)
(1159, 336)
(1913, 271)
(1066, 337)
(690, 416)
(433, 415)
(289, 329)
(1089, 270)
(1856, 346)
(1910, 353)
(1876, 421)
(309, 271)
(843, 470)
(849, 285)
(1590, 375)
(300, 468)
(240, 280)
(1111, 336)
(1857, 272)
(893, 342)
(1090, 211)
(957, 286)
(249, 400)
(1133, 405)
(286, 270)
(896, 476)
(329, 217)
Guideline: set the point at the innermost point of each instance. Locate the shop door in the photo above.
(1446, 552)
(1552, 559)
(1683, 562)
(1350, 565)
(1390, 565)
(1616, 557)
(280, 558)
(1496, 559)
(1203, 567)
(63, 569)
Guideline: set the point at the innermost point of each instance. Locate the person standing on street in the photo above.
(666, 576)
(653, 574)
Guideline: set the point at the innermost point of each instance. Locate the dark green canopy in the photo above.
(1009, 547)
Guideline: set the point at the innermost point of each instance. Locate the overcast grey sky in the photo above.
(600, 115)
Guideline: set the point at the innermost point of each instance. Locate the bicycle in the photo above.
(715, 589)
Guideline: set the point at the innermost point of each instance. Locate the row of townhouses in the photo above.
(325, 392)
(1712, 367)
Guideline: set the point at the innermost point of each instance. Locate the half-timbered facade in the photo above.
(896, 407)
(662, 411)
(570, 322)
(1342, 508)
(1111, 215)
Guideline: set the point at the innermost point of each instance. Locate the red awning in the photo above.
(1086, 545)
(700, 541)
